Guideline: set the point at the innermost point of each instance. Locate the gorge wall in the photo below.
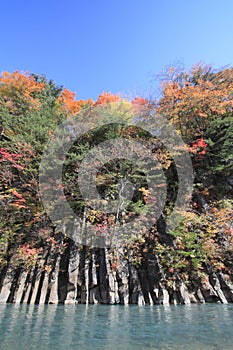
(81, 275)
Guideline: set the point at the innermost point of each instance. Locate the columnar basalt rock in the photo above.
(84, 275)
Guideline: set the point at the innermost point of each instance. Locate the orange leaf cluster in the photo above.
(70, 105)
(107, 97)
(188, 99)
(140, 101)
(15, 85)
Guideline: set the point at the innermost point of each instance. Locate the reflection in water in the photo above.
(86, 327)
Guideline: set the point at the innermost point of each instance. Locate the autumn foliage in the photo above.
(106, 98)
(18, 87)
(191, 99)
(70, 104)
(199, 103)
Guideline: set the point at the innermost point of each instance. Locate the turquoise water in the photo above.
(103, 327)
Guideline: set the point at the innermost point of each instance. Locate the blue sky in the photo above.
(117, 46)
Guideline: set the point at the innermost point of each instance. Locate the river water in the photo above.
(81, 327)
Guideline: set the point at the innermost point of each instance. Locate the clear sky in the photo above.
(117, 46)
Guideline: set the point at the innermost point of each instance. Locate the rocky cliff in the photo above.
(82, 275)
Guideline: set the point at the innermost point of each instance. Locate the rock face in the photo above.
(79, 275)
